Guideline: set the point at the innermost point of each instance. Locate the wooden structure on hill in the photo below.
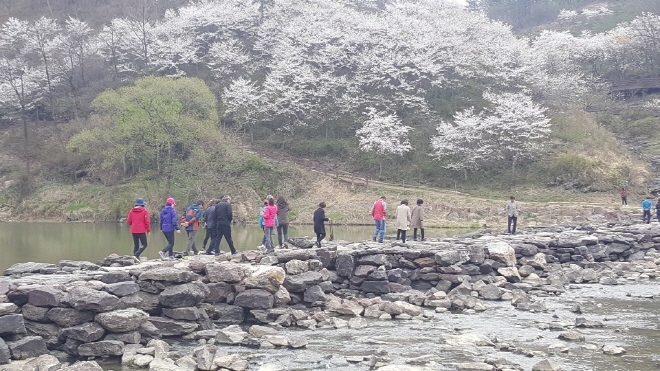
(633, 86)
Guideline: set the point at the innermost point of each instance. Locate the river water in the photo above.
(52, 242)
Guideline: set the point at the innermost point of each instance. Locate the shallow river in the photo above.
(52, 242)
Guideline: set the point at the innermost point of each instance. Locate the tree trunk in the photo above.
(380, 167)
(513, 166)
(26, 148)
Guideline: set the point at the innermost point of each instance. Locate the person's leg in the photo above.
(263, 239)
(220, 233)
(285, 231)
(230, 242)
(508, 224)
(169, 249)
(414, 234)
(136, 243)
(207, 236)
(515, 222)
(268, 234)
(403, 235)
(191, 241)
(398, 234)
(318, 240)
(377, 230)
(142, 237)
(421, 231)
(280, 232)
(381, 236)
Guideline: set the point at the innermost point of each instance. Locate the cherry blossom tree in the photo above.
(383, 134)
(513, 128)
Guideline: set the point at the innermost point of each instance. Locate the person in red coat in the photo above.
(138, 219)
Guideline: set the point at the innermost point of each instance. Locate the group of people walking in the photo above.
(216, 218)
(406, 218)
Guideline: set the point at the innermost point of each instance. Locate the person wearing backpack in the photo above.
(222, 217)
(190, 222)
(208, 218)
(169, 222)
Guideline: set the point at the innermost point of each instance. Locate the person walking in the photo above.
(624, 198)
(190, 222)
(319, 226)
(646, 207)
(269, 214)
(169, 222)
(208, 217)
(138, 219)
(657, 209)
(379, 212)
(512, 213)
(282, 222)
(222, 215)
(417, 220)
(402, 220)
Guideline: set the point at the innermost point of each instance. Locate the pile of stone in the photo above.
(119, 309)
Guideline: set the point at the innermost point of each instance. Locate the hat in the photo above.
(171, 201)
(140, 202)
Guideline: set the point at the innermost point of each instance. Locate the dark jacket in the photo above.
(283, 214)
(223, 214)
(209, 217)
(192, 215)
(168, 219)
(319, 218)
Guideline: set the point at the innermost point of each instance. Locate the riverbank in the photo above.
(348, 204)
(348, 287)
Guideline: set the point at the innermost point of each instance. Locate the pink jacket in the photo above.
(269, 215)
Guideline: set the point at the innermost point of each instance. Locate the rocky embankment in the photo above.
(54, 315)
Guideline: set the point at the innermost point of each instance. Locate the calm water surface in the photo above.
(52, 242)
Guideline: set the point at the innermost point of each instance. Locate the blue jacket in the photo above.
(192, 215)
(646, 204)
(168, 220)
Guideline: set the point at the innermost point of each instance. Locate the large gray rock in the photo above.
(86, 332)
(30, 267)
(314, 294)
(296, 266)
(8, 308)
(32, 313)
(83, 366)
(101, 348)
(12, 324)
(447, 258)
(72, 265)
(44, 362)
(546, 365)
(345, 265)
(141, 300)
(502, 252)
(491, 292)
(132, 337)
(122, 320)
(301, 282)
(46, 297)
(5, 354)
(164, 364)
(83, 298)
(511, 274)
(255, 299)
(266, 278)
(170, 327)
(188, 314)
(226, 313)
(67, 317)
(231, 335)
(376, 287)
(116, 276)
(169, 274)
(27, 347)
(121, 289)
(219, 292)
(185, 295)
(226, 272)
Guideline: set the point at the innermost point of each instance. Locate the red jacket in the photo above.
(269, 215)
(138, 219)
(379, 210)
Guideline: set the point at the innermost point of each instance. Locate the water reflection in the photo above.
(52, 242)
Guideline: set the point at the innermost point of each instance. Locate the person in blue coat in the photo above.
(646, 207)
(169, 223)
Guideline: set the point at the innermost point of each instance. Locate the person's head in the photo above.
(512, 198)
(200, 203)
(420, 201)
(270, 199)
(322, 205)
(140, 202)
(281, 201)
(383, 198)
(265, 202)
(227, 199)
(648, 197)
(212, 201)
(404, 202)
(170, 202)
